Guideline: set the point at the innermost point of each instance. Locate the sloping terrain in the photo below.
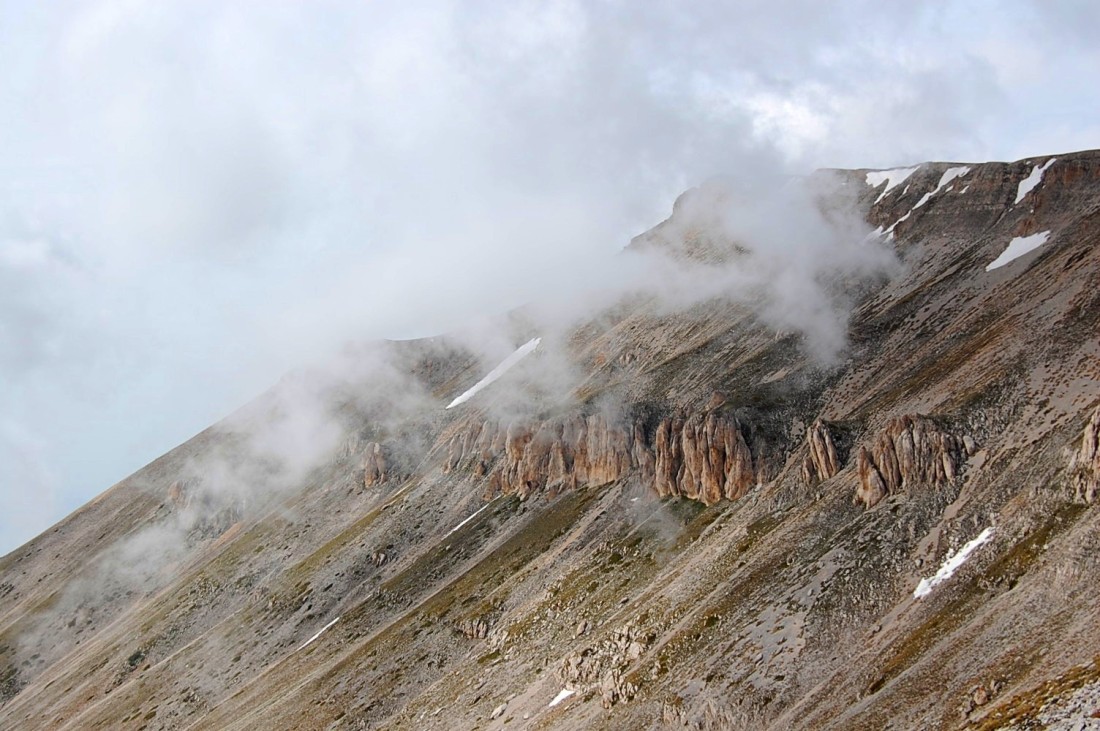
(714, 530)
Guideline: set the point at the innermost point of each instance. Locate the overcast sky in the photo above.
(197, 196)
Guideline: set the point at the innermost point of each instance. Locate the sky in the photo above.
(197, 197)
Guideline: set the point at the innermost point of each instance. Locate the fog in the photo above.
(199, 197)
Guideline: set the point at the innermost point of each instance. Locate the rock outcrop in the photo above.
(603, 665)
(702, 457)
(202, 512)
(821, 461)
(475, 628)
(375, 465)
(1085, 462)
(910, 450)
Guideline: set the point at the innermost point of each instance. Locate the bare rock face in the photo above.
(476, 628)
(375, 465)
(911, 450)
(821, 461)
(702, 457)
(1085, 463)
(872, 486)
(579, 451)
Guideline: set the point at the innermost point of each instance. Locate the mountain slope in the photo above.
(714, 529)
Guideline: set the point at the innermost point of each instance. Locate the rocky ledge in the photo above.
(702, 456)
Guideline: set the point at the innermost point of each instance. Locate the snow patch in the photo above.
(311, 639)
(951, 564)
(877, 233)
(1017, 248)
(1031, 181)
(562, 695)
(472, 516)
(948, 175)
(890, 231)
(892, 178)
(500, 370)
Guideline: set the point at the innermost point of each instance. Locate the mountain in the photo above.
(703, 514)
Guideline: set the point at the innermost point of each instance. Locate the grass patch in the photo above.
(1024, 708)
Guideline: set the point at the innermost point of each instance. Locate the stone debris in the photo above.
(602, 666)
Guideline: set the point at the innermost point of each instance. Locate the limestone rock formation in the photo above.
(476, 628)
(178, 494)
(375, 465)
(702, 457)
(1085, 463)
(201, 511)
(821, 461)
(911, 450)
(602, 665)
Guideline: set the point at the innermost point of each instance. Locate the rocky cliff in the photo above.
(709, 526)
(702, 456)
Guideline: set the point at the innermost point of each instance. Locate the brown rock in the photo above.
(475, 628)
(702, 457)
(910, 451)
(872, 487)
(375, 465)
(821, 461)
(1085, 463)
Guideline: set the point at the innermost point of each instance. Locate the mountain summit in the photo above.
(775, 488)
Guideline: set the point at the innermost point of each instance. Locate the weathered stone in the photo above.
(1085, 462)
(821, 461)
(910, 451)
(177, 494)
(702, 457)
(872, 488)
(375, 465)
(476, 628)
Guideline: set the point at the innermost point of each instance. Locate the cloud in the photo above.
(200, 195)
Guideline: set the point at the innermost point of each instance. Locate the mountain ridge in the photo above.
(712, 528)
